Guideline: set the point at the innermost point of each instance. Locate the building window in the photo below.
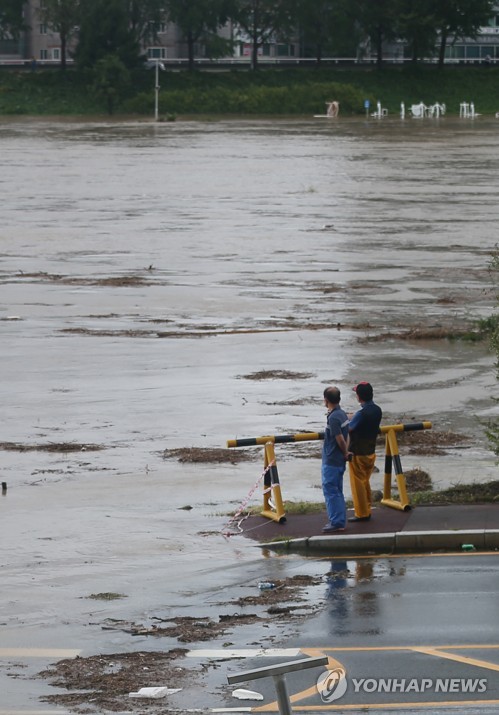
(156, 53)
(285, 50)
(43, 29)
(56, 53)
(43, 54)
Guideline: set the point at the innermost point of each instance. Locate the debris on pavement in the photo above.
(154, 693)
(242, 694)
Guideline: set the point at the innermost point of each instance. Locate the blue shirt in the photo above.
(337, 423)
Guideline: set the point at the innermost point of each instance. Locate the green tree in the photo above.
(315, 18)
(111, 81)
(11, 18)
(63, 17)
(262, 21)
(106, 29)
(199, 21)
(378, 20)
(326, 26)
(145, 17)
(416, 25)
(458, 19)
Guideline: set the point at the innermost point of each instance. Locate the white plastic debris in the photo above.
(154, 693)
(242, 694)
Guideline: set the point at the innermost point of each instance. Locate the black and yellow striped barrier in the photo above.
(273, 507)
(275, 439)
(392, 462)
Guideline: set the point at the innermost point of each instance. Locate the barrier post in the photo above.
(273, 507)
(392, 462)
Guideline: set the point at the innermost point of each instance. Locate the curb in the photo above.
(399, 542)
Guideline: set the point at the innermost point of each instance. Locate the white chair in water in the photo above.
(418, 110)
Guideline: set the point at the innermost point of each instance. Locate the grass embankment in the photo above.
(460, 494)
(268, 91)
(486, 493)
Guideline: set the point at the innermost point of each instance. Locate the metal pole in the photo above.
(278, 672)
(282, 695)
(156, 96)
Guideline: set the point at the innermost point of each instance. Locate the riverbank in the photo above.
(266, 92)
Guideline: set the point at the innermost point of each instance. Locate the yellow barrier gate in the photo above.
(273, 507)
(392, 462)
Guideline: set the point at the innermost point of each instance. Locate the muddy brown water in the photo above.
(147, 271)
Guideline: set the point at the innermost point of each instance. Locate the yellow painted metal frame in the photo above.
(392, 459)
(273, 507)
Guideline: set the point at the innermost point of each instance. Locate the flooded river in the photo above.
(147, 269)
(150, 272)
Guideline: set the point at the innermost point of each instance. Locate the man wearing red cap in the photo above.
(364, 428)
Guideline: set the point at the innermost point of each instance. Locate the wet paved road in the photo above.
(423, 630)
(410, 619)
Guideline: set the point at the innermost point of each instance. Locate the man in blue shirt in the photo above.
(334, 455)
(364, 429)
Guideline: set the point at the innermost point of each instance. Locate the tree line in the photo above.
(99, 28)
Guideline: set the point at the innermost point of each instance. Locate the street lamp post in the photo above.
(156, 95)
(159, 65)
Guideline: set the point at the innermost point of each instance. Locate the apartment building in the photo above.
(41, 43)
(484, 47)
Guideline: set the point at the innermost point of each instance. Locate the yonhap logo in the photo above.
(332, 685)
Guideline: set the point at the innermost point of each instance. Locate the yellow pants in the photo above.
(360, 469)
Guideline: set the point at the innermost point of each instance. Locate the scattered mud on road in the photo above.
(103, 682)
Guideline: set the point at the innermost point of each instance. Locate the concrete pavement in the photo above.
(423, 528)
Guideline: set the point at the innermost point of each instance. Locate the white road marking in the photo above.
(245, 653)
(38, 653)
(34, 712)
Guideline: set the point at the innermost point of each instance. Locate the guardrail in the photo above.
(245, 62)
